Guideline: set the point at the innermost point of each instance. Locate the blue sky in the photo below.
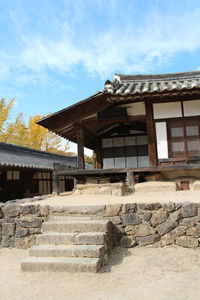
(54, 53)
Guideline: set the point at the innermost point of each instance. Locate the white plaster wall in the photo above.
(143, 161)
(167, 110)
(131, 162)
(120, 162)
(161, 135)
(108, 163)
(191, 108)
(135, 109)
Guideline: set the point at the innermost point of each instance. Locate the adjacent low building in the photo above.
(26, 172)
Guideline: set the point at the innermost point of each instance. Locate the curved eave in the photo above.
(67, 112)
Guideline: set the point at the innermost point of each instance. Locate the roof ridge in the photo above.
(152, 77)
(23, 148)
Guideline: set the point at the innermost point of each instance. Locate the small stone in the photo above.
(178, 231)
(176, 216)
(186, 241)
(7, 241)
(188, 222)
(149, 206)
(166, 227)
(131, 219)
(127, 242)
(147, 216)
(171, 206)
(128, 208)
(29, 209)
(115, 220)
(130, 230)
(8, 229)
(113, 209)
(21, 222)
(189, 210)
(34, 222)
(193, 231)
(11, 210)
(35, 230)
(20, 243)
(146, 240)
(8, 220)
(1, 213)
(159, 217)
(167, 239)
(21, 232)
(44, 210)
(144, 229)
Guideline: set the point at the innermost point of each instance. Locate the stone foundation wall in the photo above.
(19, 224)
(139, 224)
(164, 224)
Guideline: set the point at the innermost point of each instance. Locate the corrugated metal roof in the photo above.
(138, 84)
(23, 157)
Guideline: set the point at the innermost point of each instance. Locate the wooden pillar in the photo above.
(80, 147)
(152, 150)
(56, 185)
(98, 156)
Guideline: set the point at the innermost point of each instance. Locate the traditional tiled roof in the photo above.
(23, 157)
(138, 84)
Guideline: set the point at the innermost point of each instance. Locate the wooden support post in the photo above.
(152, 150)
(80, 147)
(94, 160)
(56, 185)
(99, 164)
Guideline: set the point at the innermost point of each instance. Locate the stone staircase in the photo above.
(70, 243)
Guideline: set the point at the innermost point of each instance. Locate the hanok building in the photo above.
(137, 123)
(26, 172)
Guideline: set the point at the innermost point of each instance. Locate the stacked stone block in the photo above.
(140, 224)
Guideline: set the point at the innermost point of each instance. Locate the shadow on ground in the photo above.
(116, 258)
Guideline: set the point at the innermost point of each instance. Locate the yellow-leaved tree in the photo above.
(32, 136)
(11, 131)
(42, 139)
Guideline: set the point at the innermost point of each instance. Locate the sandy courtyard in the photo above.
(139, 274)
(73, 199)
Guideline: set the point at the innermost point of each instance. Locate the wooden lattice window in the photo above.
(184, 139)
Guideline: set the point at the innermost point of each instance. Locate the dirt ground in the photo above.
(73, 199)
(170, 273)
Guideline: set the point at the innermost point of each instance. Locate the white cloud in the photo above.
(132, 48)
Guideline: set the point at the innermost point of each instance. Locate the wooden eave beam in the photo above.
(57, 123)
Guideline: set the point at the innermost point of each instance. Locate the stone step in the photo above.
(61, 264)
(90, 238)
(55, 238)
(76, 226)
(92, 251)
(65, 210)
(68, 218)
(86, 238)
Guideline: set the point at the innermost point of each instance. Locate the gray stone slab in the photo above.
(90, 238)
(91, 251)
(76, 226)
(58, 264)
(79, 209)
(55, 238)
